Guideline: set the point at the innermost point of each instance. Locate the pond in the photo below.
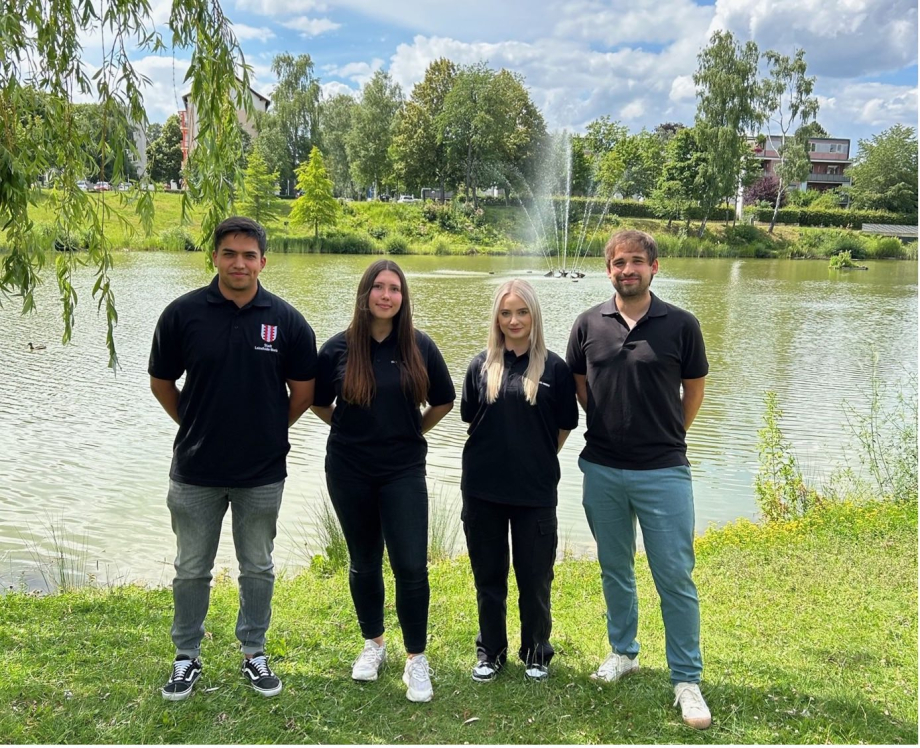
(84, 454)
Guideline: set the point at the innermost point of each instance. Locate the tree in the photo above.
(788, 102)
(368, 142)
(420, 147)
(154, 129)
(271, 145)
(765, 190)
(164, 155)
(634, 165)
(589, 152)
(335, 124)
(259, 185)
(295, 103)
(41, 50)
(680, 183)
(884, 172)
(728, 108)
(316, 205)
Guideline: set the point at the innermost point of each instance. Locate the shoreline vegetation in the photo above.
(457, 228)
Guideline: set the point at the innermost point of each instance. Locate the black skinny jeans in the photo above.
(533, 544)
(394, 511)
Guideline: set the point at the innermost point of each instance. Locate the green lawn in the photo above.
(809, 636)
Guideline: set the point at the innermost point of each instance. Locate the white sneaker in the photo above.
(417, 677)
(692, 705)
(370, 661)
(615, 667)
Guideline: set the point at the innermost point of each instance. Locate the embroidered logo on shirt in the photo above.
(269, 333)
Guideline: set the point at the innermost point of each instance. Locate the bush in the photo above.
(177, 239)
(378, 232)
(397, 245)
(841, 261)
(742, 234)
(886, 247)
(764, 190)
(851, 219)
(350, 244)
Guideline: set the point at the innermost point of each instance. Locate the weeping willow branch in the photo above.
(41, 70)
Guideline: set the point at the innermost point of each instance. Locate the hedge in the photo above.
(847, 219)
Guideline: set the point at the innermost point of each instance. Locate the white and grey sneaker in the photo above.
(417, 677)
(615, 667)
(185, 671)
(692, 705)
(485, 670)
(370, 661)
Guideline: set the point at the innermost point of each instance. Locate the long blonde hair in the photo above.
(493, 368)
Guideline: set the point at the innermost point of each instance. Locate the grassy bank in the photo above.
(429, 228)
(809, 635)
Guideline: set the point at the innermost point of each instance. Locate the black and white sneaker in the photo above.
(536, 672)
(185, 672)
(260, 675)
(485, 670)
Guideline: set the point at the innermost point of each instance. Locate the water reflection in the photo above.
(86, 451)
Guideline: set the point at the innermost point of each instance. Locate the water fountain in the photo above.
(547, 203)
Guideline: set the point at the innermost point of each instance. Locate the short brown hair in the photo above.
(640, 239)
(240, 225)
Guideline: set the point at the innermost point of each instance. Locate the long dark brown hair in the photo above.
(360, 387)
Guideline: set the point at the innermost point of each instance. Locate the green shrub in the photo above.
(378, 232)
(350, 244)
(441, 247)
(837, 242)
(177, 239)
(885, 247)
(397, 245)
(742, 234)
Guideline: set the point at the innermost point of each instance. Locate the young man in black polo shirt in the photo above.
(640, 367)
(250, 361)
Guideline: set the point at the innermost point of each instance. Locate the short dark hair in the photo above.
(240, 225)
(640, 239)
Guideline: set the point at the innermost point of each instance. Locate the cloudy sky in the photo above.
(581, 59)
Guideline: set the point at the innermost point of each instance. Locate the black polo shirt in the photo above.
(385, 438)
(510, 456)
(635, 415)
(234, 405)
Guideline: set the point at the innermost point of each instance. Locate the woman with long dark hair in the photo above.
(371, 383)
(519, 399)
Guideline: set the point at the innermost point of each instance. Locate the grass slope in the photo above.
(809, 635)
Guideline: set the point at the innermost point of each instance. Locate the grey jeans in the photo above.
(197, 514)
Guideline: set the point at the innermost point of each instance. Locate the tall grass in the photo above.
(63, 561)
(443, 523)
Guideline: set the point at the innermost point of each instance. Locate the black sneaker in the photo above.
(260, 675)
(485, 670)
(184, 674)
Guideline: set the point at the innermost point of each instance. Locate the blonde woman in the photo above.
(519, 399)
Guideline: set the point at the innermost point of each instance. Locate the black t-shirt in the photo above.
(510, 456)
(386, 437)
(635, 415)
(233, 407)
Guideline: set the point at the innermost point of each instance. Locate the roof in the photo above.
(889, 229)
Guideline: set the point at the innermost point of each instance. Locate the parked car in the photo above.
(407, 199)
(102, 187)
(84, 185)
(125, 186)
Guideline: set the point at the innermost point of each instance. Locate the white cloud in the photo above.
(359, 72)
(274, 8)
(841, 39)
(334, 88)
(641, 22)
(876, 105)
(310, 27)
(682, 88)
(244, 32)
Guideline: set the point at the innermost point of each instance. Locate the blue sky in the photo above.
(581, 59)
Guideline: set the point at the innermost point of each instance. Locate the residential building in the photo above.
(829, 159)
(188, 122)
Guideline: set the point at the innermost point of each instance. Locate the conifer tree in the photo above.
(316, 205)
(259, 201)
